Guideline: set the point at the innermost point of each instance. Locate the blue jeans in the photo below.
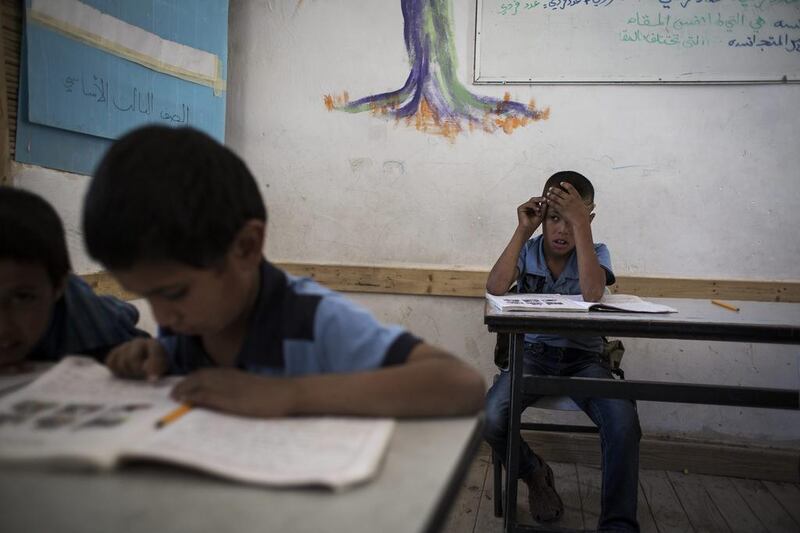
(616, 419)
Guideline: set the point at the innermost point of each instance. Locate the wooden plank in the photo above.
(647, 523)
(731, 505)
(566, 484)
(464, 511)
(664, 504)
(393, 280)
(589, 481)
(13, 46)
(523, 509)
(486, 521)
(788, 494)
(667, 512)
(660, 454)
(471, 283)
(103, 283)
(5, 155)
(568, 487)
(566, 481)
(11, 16)
(565, 447)
(457, 282)
(12, 9)
(732, 289)
(699, 507)
(764, 505)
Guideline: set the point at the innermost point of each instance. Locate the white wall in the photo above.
(691, 181)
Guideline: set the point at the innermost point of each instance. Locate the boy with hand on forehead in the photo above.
(46, 311)
(564, 259)
(179, 219)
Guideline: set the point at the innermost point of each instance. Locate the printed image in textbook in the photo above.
(78, 413)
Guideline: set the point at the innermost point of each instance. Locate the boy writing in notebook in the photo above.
(564, 259)
(47, 312)
(179, 219)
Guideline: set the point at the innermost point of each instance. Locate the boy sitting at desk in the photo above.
(179, 219)
(47, 312)
(564, 259)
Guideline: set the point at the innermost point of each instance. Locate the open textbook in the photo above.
(21, 375)
(574, 302)
(78, 413)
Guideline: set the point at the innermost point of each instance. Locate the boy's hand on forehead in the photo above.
(569, 204)
(531, 213)
(237, 392)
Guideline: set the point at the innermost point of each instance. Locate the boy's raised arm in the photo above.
(430, 383)
(504, 272)
(578, 214)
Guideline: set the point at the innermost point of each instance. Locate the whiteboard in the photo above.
(637, 41)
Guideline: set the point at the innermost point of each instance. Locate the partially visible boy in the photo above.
(564, 259)
(47, 312)
(179, 219)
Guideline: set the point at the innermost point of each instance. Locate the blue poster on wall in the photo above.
(95, 69)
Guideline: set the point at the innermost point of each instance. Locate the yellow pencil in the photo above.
(726, 305)
(173, 416)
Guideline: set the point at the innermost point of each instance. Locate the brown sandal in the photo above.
(543, 501)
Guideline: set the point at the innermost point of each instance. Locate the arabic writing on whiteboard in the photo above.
(759, 24)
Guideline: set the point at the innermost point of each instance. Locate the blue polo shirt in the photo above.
(299, 327)
(535, 277)
(84, 323)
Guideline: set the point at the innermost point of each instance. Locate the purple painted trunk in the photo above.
(433, 82)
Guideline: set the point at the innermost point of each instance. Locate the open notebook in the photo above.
(561, 302)
(78, 414)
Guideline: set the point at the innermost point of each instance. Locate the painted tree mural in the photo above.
(432, 98)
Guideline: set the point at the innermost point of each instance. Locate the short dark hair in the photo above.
(576, 179)
(168, 194)
(31, 231)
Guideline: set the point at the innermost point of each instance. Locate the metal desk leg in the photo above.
(515, 354)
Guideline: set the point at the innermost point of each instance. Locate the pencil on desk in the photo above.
(726, 305)
(172, 416)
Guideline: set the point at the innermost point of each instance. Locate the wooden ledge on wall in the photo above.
(471, 283)
(104, 283)
(393, 280)
(731, 289)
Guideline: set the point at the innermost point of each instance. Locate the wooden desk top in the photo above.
(767, 322)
